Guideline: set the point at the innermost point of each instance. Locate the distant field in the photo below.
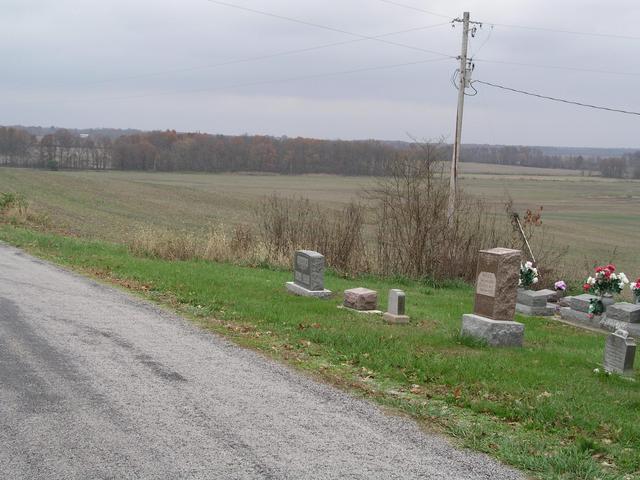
(597, 218)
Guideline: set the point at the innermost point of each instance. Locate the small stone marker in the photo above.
(308, 275)
(496, 291)
(395, 310)
(361, 299)
(619, 353)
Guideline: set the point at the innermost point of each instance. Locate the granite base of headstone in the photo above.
(495, 300)
(622, 316)
(535, 303)
(395, 313)
(308, 275)
(577, 311)
(361, 300)
(564, 301)
(619, 353)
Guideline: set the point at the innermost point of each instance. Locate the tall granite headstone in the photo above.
(619, 353)
(497, 283)
(497, 278)
(308, 274)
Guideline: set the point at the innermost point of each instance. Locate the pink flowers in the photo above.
(605, 280)
(560, 285)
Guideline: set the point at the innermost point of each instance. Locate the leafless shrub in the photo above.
(287, 224)
(531, 232)
(415, 236)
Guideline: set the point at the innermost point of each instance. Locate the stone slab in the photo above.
(497, 277)
(580, 318)
(303, 292)
(534, 298)
(619, 353)
(308, 270)
(624, 312)
(496, 333)
(580, 303)
(565, 301)
(395, 319)
(365, 312)
(361, 299)
(609, 324)
(547, 310)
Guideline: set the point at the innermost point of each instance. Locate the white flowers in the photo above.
(528, 275)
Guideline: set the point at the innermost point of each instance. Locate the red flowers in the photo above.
(586, 287)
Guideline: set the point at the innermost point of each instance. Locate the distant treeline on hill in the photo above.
(51, 148)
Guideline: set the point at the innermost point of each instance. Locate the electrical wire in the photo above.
(325, 27)
(555, 99)
(263, 82)
(523, 27)
(557, 67)
(417, 9)
(486, 40)
(568, 32)
(264, 57)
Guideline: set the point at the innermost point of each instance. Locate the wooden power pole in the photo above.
(464, 79)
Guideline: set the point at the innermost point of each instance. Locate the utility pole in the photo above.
(464, 76)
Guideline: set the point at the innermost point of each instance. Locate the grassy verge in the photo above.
(540, 408)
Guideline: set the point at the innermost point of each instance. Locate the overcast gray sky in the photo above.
(156, 65)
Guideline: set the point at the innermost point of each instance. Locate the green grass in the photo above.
(540, 408)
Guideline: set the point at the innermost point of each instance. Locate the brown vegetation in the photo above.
(414, 237)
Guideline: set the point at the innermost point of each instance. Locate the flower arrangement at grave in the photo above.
(605, 281)
(528, 275)
(560, 286)
(635, 290)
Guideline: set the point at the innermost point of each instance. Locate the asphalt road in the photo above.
(95, 384)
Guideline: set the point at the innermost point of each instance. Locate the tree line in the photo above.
(173, 151)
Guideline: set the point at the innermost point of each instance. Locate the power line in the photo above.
(568, 32)
(267, 82)
(522, 27)
(290, 79)
(266, 56)
(411, 7)
(325, 27)
(555, 99)
(558, 67)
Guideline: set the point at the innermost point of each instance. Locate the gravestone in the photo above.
(497, 283)
(495, 299)
(624, 312)
(577, 311)
(580, 303)
(535, 302)
(308, 275)
(361, 299)
(619, 353)
(395, 309)
(622, 316)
